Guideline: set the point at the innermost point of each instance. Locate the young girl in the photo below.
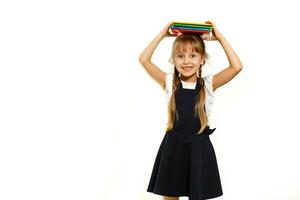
(186, 163)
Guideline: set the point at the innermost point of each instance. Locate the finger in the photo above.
(210, 22)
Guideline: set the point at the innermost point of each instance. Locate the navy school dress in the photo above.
(186, 163)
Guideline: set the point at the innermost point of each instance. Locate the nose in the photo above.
(186, 60)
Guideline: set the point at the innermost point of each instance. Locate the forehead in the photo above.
(184, 47)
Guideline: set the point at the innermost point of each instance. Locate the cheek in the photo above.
(196, 62)
(176, 61)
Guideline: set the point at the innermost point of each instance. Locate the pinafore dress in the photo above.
(186, 163)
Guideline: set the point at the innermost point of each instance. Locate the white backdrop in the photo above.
(81, 119)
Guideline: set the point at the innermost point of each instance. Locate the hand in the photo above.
(215, 33)
(166, 32)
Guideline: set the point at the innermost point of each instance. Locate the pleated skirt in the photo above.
(186, 165)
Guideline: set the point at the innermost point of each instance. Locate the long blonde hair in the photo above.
(197, 45)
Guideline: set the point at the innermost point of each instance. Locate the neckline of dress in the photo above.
(189, 85)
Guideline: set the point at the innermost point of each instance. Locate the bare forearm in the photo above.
(147, 53)
(232, 57)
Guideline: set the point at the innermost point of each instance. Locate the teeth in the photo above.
(187, 68)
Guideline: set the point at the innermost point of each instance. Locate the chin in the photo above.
(188, 74)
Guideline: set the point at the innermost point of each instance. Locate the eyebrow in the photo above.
(194, 52)
(181, 51)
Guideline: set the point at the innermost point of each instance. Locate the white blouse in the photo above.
(209, 100)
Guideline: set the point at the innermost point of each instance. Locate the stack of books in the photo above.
(188, 27)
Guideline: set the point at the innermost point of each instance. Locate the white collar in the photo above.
(188, 85)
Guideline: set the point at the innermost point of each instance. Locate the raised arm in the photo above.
(145, 57)
(235, 65)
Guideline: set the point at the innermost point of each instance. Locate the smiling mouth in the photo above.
(187, 68)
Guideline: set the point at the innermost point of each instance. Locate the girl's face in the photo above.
(187, 63)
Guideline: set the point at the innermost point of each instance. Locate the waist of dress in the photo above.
(189, 132)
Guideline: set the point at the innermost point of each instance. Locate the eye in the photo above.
(194, 55)
(179, 56)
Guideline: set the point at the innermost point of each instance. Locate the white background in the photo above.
(81, 119)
